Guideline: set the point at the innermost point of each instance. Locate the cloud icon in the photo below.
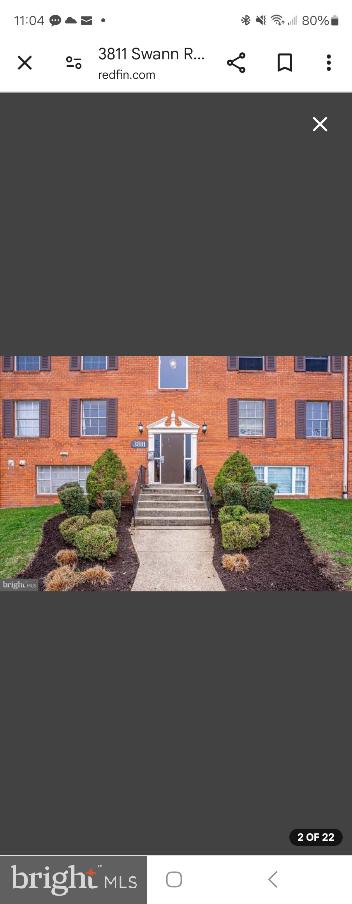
(70, 21)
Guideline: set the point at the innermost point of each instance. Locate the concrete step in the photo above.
(161, 521)
(172, 512)
(171, 503)
(174, 490)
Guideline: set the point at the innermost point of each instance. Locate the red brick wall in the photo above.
(135, 384)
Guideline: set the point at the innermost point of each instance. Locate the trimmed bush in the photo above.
(96, 542)
(112, 501)
(236, 469)
(238, 563)
(259, 497)
(104, 517)
(60, 579)
(233, 493)
(70, 527)
(72, 499)
(231, 513)
(261, 519)
(239, 536)
(66, 557)
(108, 473)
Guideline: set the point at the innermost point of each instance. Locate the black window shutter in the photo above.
(233, 362)
(270, 362)
(111, 417)
(44, 417)
(8, 418)
(337, 420)
(301, 425)
(45, 362)
(113, 362)
(300, 362)
(337, 364)
(75, 362)
(75, 417)
(270, 418)
(233, 417)
(8, 362)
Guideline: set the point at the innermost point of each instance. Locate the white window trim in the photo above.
(92, 435)
(321, 402)
(20, 371)
(54, 466)
(294, 470)
(21, 401)
(93, 371)
(319, 372)
(252, 435)
(173, 388)
(245, 371)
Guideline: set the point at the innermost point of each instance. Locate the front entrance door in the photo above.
(173, 458)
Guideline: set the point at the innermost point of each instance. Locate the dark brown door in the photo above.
(172, 469)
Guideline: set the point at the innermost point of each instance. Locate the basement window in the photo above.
(173, 371)
(51, 477)
(290, 481)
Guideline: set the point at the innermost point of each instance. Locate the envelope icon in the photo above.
(86, 20)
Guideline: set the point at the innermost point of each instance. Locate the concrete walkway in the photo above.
(175, 560)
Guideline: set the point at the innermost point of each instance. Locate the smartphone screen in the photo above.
(175, 175)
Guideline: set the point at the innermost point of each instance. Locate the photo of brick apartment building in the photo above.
(289, 414)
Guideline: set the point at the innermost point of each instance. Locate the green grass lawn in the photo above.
(20, 535)
(327, 525)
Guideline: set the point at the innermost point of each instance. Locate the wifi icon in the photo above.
(279, 20)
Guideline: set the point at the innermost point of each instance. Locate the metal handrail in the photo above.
(141, 482)
(202, 483)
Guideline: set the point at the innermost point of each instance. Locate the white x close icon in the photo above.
(320, 123)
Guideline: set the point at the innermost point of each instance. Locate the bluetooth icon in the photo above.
(246, 20)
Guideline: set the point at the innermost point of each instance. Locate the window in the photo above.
(188, 458)
(28, 362)
(49, 478)
(251, 418)
(27, 418)
(94, 362)
(94, 421)
(317, 363)
(290, 481)
(251, 362)
(173, 372)
(317, 420)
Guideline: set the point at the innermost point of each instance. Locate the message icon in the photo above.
(55, 20)
(285, 61)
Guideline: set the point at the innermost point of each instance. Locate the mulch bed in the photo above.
(124, 565)
(283, 562)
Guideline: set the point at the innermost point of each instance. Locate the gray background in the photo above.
(201, 725)
(109, 867)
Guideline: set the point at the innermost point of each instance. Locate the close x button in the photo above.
(320, 123)
(24, 64)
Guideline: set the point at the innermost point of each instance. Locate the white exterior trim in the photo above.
(183, 426)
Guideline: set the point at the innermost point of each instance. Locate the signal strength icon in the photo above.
(279, 20)
(293, 21)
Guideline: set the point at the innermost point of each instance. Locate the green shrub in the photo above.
(104, 517)
(233, 493)
(96, 542)
(261, 519)
(112, 500)
(237, 469)
(72, 499)
(108, 473)
(259, 497)
(70, 527)
(239, 536)
(231, 513)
